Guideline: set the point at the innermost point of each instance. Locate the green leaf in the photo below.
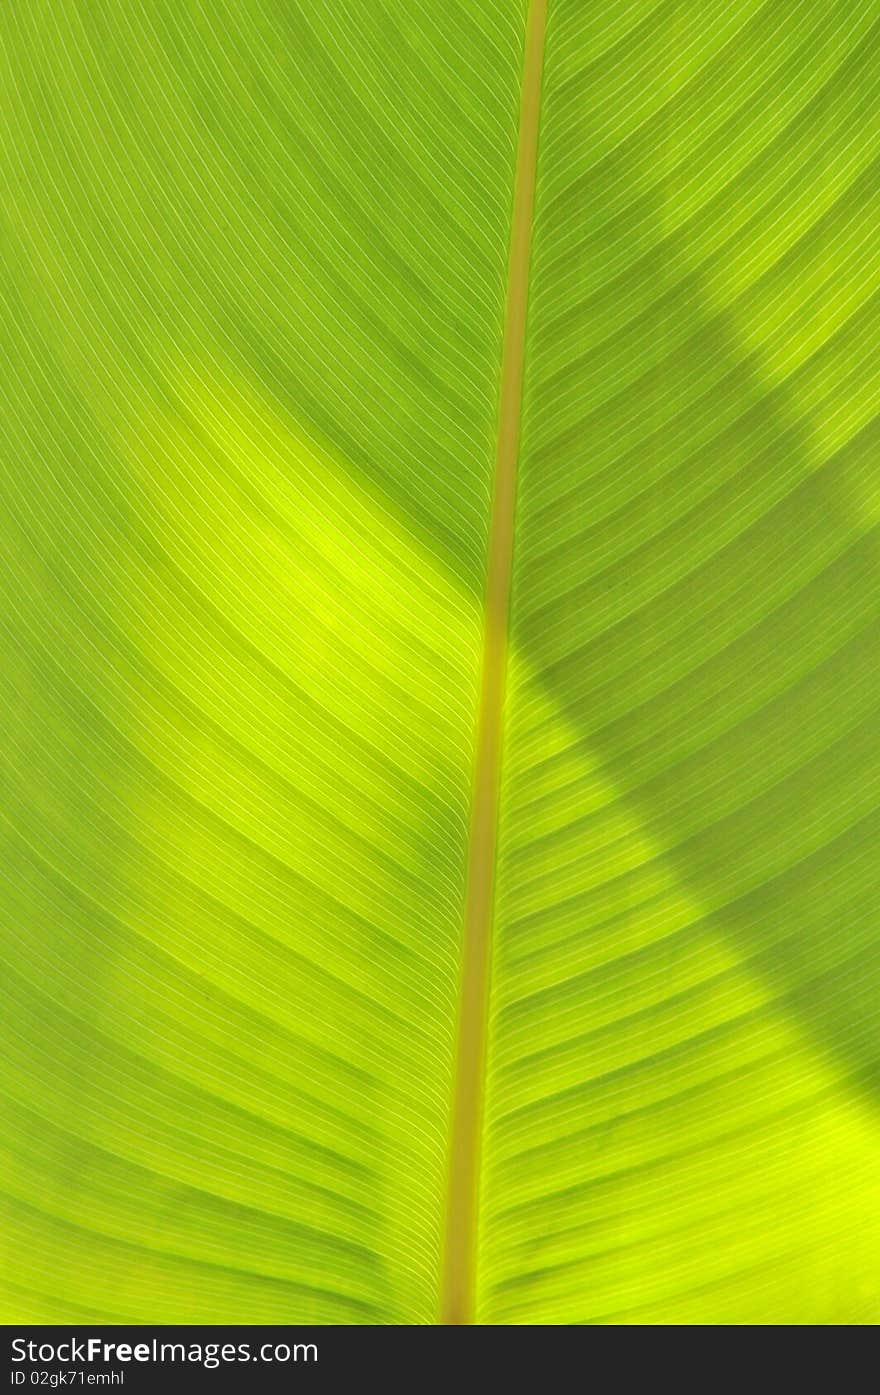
(374, 950)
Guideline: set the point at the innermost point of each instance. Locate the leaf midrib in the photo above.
(459, 1259)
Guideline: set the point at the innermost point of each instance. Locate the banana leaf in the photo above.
(440, 634)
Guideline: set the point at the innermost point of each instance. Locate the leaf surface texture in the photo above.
(255, 272)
